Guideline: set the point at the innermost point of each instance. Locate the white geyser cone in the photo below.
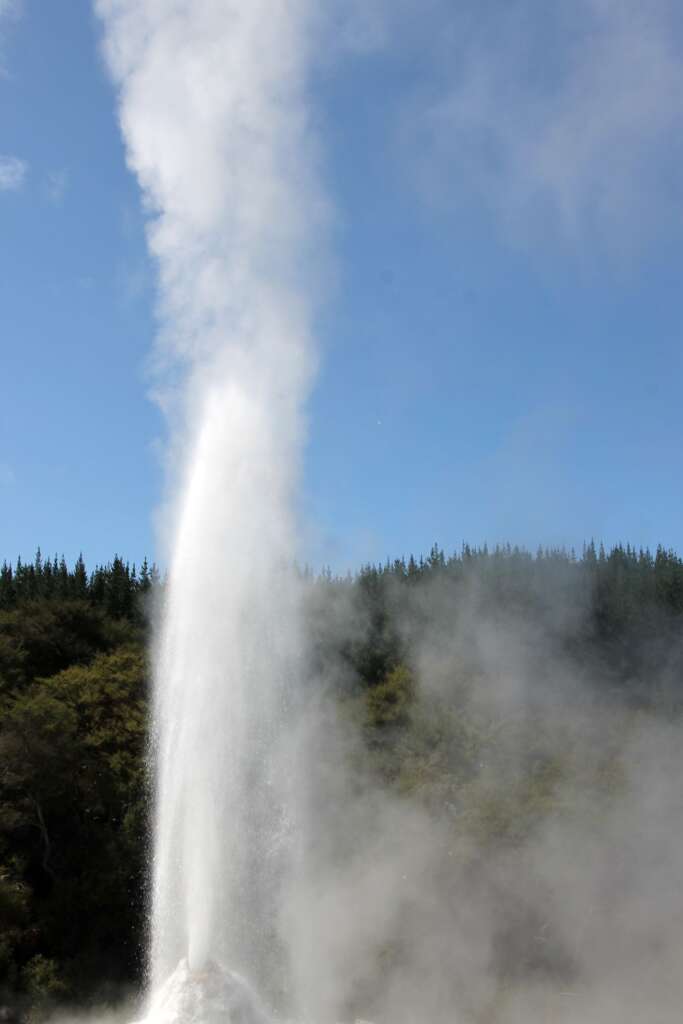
(213, 995)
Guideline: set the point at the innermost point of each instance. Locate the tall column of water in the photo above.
(228, 651)
(213, 115)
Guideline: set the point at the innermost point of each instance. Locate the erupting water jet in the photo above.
(213, 112)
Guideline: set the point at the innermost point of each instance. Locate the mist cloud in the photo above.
(509, 850)
(56, 186)
(13, 173)
(557, 117)
(13, 170)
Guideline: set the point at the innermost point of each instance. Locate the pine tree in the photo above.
(80, 579)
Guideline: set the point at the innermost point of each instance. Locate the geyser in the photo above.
(213, 114)
(211, 996)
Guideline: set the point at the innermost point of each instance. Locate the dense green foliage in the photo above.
(73, 788)
(406, 650)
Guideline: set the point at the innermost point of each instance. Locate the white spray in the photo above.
(213, 114)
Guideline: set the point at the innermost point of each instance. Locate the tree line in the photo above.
(116, 587)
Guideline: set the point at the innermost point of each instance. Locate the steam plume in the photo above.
(214, 116)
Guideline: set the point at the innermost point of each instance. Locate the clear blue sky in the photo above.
(501, 352)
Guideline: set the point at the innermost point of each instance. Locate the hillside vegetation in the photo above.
(494, 689)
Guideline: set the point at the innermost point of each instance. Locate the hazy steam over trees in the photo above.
(493, 690)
